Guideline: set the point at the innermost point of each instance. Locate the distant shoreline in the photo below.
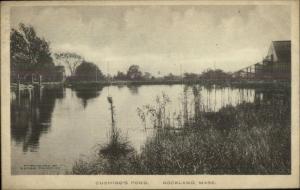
(220, 83)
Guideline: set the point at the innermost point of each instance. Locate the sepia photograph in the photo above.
(150, 89)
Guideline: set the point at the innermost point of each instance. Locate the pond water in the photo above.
(52, 128)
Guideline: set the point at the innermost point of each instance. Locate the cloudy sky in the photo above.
(161, 38)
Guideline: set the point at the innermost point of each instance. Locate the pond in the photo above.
(52, 127)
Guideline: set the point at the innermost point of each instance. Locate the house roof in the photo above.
(282, 50)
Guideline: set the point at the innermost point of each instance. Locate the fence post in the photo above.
(40, 80)
(18, 82)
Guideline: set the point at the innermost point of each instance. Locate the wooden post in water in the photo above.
(110, 100)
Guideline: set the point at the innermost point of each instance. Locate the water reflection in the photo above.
(213, 98)
(34, 112)
(31, 113)
(87, 93)
(134, 89)
(31, 109)
(278, 100)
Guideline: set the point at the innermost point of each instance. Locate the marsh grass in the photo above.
(117, 146)
(115, 157)
(157, 114)
(251, 138)
(244, 148)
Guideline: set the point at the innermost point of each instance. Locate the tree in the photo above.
(147, 76)
(190, 76)
(216, 74)
(120, 76)
(70, 60)
(170, 76)
(134, 73)
(29, 54)
(88, 71)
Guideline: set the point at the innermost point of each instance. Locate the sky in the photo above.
(161, 39)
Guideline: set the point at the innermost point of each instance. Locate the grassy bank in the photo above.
(210, 151)
(238, 142)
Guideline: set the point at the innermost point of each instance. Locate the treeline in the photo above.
(32, 60)
(134, 73)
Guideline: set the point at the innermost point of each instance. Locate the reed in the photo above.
(246, 139)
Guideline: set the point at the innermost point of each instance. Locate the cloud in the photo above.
(160, 38)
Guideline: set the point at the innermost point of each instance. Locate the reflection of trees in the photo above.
(134, 89)
(278, 100)
(273, 104)
(268, 96)
(31, 113)
(88, 93)
(120, 86)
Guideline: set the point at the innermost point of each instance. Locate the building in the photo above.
(259, 71)
(277, 63)
(275, 66)
(248, 73)
(60, 73)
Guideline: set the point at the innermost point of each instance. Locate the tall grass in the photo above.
(157, 114)
(244, 148)
(246, 139)
(115, 157)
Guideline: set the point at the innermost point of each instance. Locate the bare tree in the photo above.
(69, 59)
